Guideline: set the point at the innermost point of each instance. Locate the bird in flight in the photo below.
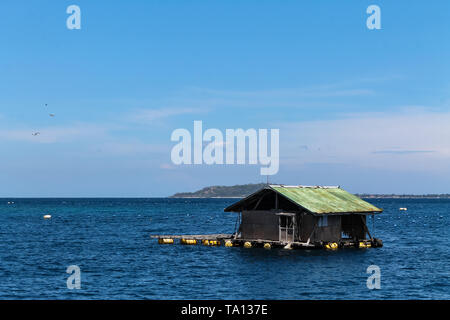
(35, 133)
(51, 114)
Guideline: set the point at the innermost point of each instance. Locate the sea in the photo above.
(106, 244)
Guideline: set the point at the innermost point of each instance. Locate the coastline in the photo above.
(361, 196)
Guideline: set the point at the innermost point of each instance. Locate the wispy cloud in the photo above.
(281, 97)
(54, 134)
(149, 115)
(200, 100)
(309, 92)
(402, 151)
(129, 148)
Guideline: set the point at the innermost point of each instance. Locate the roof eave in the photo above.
(346, 213)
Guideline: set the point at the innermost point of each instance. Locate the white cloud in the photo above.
(402, 141)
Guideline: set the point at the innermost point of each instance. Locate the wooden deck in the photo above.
(217, 236)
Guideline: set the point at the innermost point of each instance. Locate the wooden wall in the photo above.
(259, 225)
(331, 232)
(306, 226)
(264, 225)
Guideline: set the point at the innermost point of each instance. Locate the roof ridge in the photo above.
(300, 186)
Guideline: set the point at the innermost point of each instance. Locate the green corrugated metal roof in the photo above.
(325, 199)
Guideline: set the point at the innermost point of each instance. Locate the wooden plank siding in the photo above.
(260, 225)
(329, 233)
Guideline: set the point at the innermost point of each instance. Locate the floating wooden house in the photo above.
(304, 216)
(295, 217)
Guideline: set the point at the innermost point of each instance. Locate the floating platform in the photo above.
(229, 240)
(217, 236)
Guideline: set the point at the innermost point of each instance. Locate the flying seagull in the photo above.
(36, 134)
(51, 114)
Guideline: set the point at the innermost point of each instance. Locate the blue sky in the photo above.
(365, 109)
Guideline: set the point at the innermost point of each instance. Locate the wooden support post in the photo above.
(239, 223)
(236, 225)
(314, 229)
(373, 222)
(365, 227)
(259, 201)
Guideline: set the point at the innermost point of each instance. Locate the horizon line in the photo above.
(219, 197)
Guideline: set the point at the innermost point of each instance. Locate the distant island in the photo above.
(237, 191)
(404, 196)
(243, 190)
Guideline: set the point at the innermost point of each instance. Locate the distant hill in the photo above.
(404, 196)
(243, 190)
(237, 191)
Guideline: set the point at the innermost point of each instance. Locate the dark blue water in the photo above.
(109, 240)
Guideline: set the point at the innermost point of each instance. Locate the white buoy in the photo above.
(288, 246)
(47, 216)
(403, 209)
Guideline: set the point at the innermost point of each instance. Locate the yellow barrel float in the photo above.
(188, 241)
(206, 242)
(228, 243)
(364, 245)
(267, 246)
(247, 244)
(331, 246)
(165, 241)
